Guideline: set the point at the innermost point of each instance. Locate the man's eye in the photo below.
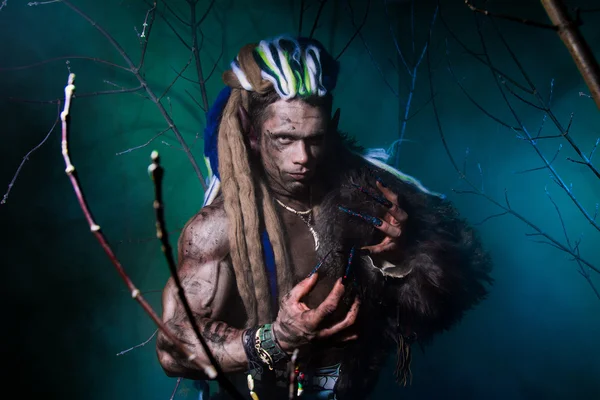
(284, 140)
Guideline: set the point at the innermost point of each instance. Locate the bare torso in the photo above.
(304, 259)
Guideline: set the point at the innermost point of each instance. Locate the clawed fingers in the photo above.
(384, 247)
(329, 305)
(393, 231)
(303, 288)
(394, 210)
(347, 322)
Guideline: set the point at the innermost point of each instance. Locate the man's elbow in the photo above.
(174, 369)
(168, 363)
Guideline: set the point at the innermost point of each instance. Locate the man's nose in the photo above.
(300, 154)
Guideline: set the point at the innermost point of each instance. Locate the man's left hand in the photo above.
(389, 248)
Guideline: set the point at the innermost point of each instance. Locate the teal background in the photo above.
(67, 314)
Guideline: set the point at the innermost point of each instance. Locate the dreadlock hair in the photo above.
(260, 75)
(246, 205)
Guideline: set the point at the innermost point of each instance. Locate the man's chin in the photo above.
(297, 187)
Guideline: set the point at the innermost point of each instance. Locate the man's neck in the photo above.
(299, 202)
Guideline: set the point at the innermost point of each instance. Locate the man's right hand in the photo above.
(297, 325)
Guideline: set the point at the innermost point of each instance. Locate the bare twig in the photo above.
(97, 60)
(145, 36)
(135, 71)
(510, 17)
(180, 19)
(541, 100)
(316, 21)
(356, 31)
(301, 17)
(138, 345)
(26, 157)
(143, 145)
(476, 191)
(81, 95)
(491, 217)
(485, 59)
(175, 388)
(471, 99)
(176, 78)
(96, 231)
(568, 30)
(156, 172)
(555, 175)
(195, 25)
(412, 72)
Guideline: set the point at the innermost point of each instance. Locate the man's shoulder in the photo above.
(211, 214)
(206, 231)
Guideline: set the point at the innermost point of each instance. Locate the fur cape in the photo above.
(448, 270)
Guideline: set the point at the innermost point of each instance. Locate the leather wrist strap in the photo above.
(267, 347)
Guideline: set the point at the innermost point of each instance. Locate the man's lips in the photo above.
(299, 176)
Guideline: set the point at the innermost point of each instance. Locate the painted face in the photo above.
(292, 143)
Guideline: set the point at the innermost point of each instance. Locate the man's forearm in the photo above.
(224, 342)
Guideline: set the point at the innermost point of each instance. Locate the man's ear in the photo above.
(335, 120)
(247, 128)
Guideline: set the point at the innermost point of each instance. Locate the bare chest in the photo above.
(301, 243)
(301, 247)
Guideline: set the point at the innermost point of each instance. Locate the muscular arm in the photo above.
(207, 281)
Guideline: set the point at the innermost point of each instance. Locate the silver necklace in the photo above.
(306, 217)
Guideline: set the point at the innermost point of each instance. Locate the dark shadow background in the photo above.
(66, 312)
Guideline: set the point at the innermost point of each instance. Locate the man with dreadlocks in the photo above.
(307, 242)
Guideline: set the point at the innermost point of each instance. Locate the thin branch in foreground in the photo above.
(157, 172)
(26, 157)
(96, 231)
(138, 345)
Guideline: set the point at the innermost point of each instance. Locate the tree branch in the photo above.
(510, 17)
(133, 69)
(582, 54)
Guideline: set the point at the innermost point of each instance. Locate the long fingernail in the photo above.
(348, 266)
(380, 199)
(381, 182)
(365, 217)
(319, 264)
